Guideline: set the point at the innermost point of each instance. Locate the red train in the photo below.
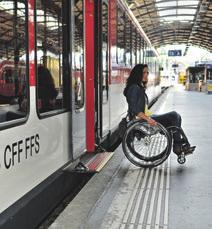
(63, 69)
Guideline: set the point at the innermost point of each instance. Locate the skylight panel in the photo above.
(9, 8)
(51, 22)
(186, 11)
(165, 4)
(169, 11)
(188, 3)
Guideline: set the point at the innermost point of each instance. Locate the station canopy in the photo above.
(166, 22)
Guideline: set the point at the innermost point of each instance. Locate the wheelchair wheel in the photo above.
(145, 145)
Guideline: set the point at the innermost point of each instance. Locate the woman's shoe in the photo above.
(190, 150)
(185, 148)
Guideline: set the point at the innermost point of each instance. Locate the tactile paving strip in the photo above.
(142, 200)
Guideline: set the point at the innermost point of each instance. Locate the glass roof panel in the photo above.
(186, 11)
(8, 6)
(191, 3)
(51, 22)
(169, 11)
(165, 5)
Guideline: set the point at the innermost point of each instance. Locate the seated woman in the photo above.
(46, 90)
(137, 102)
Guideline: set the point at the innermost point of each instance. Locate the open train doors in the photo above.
(101, 69)
(79, 76)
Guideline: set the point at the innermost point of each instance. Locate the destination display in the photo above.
(175, 53)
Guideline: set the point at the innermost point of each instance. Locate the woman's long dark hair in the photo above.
(136, 77)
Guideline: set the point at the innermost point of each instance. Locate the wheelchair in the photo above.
(149, 146)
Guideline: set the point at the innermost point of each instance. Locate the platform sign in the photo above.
(175, 53)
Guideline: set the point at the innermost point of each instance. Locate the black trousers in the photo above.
(171, 119)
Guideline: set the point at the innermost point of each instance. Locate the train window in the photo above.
(141, 51)
(146, 59)
(51, 55)
(209, 77)
(128, 42)
(105, 66)
(14, 99)
(134, 46)
(78, 57)
(138, 50)
(120, 36)
(195, 74)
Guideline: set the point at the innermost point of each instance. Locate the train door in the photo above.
(78, 78)
(102, 69)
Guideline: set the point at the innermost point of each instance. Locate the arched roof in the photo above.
(186, 22)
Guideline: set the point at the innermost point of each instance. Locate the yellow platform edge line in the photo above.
(104, 162)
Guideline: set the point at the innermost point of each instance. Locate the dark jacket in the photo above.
(136, 99)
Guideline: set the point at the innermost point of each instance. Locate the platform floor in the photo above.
(171, 196)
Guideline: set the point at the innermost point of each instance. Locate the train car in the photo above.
(11, 79)
(197, 77)
(68, 64)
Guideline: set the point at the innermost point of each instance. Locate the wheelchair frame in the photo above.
(149, 138)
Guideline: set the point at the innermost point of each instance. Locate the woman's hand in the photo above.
(151, 121)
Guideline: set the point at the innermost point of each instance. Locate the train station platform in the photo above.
(170, 196)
